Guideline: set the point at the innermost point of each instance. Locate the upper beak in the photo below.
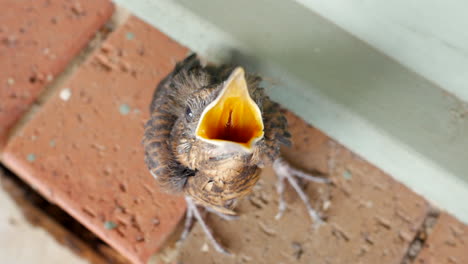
(233, 117)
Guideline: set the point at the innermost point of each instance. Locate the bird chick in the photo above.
(211, 131)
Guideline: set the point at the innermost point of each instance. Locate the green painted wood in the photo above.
(427, 36)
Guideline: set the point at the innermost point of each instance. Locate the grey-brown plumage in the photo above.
(182, 163)
(211, 131)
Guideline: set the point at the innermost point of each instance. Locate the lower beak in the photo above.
(233, 117)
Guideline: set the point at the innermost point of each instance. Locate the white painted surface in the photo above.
(393, 117)
(22, 243)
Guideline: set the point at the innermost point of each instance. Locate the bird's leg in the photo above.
(187, 225)
(193, 212)
(280, 189)
(284, 171)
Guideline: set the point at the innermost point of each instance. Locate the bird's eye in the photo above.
(188, 113)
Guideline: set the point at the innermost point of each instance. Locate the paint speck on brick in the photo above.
(109, 225)
(31, 157)
(124, 109)
(65, 94)
(204, 248)
(155, 221)
(130, 36)
(347, 175)
(10, 81)
(52, 143)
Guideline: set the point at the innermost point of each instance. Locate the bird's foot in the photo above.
(285, 171)
(193, 212)
(221, 215)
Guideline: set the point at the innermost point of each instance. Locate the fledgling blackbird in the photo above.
(211, 131)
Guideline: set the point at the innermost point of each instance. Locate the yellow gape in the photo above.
(233, 116)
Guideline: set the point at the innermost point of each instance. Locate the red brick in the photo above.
(371, 217)
(84, 152)
(447, 243)
(37, 40)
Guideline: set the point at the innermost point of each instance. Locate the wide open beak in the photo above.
(233, 118)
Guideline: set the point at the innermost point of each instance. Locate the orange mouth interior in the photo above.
(233, 116)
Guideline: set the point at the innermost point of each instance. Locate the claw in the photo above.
(285, 172)
(221, 215)
(193, 212)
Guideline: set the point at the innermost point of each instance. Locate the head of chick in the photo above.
(221, 136)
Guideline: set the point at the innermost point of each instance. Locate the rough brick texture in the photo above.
(37, 40)
(447, 243)
(83, 151)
